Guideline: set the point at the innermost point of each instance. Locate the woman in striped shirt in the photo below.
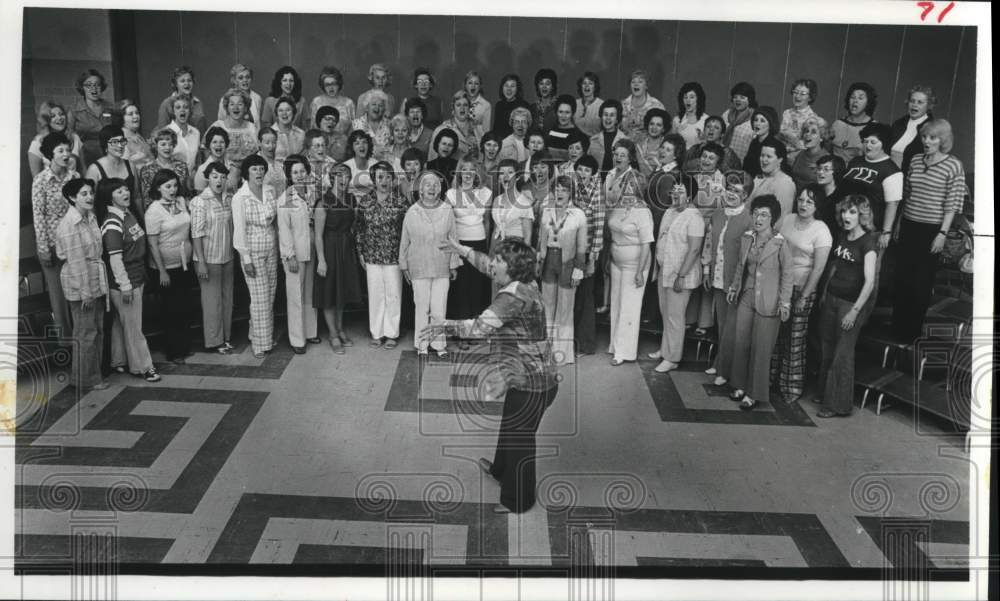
(932, 193)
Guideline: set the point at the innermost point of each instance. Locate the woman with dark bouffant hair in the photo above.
(510, 97)
(286, 83)
(520, 369)
(850, 283)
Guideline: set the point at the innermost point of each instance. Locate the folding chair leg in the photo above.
(864, 397)
(697, 352)
(920, 372)
(878, 405)
(885, 356)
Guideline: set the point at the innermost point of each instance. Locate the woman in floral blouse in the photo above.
(377, 229)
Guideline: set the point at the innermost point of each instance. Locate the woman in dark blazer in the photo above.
(905, 140)
(761, 289)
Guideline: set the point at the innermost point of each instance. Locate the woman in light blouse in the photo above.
(765, 125)
(809, 241)
(676, 271)
(241, 78)
(804, 92)
(691, 115)
(168, 227)
(721, 252)
(291, 137)
(428, 224)
(480, 110)
(637, 104)
(83, 278)
(295, 244)
(320, 162)
(182, 82)
(212, 242)
(933, 193)
(489, 158)
(468, 295)
(137, 149)
(375, 122)
(588, 105)
(255, 238)
(216, 143)
(631, 224)
(739, 129)
(715, 133)
(562, 256)
(399, 143)
(188, 136)
(359, 154)
(377, 228)
(52, 117)
(423, 84)
(648, 144)
(242, 133)
(859, 102)
(413, 161)
(761, 292)
(465, 129)
(164, 142)
(512, 210)
(331, 82)
(338, 281)
(286, 82)
(510, 97)
(90, 114)
(275, 177)
(772, 180)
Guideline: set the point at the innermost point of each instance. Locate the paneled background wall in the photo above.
(770, 55)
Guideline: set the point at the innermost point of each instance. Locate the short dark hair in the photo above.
(769, 202)
(869, 91)
(423, 71)
(380, 166)
(286, 100)
(51, 141)
(611, 103)
(163, 176)
(519, 92)
(592, 77)
(779, 147)
(547, 73)
(106, 187)
(323, 112)
(656, 112)
(679, 144)
(107, 133)
(809, 84)
(71, 188)
(715, 149)
(519, 257)
(290, 162)
(882, 131)
(489, 136)
(719, 120)
(745, 89)
(212, 132)
(353, 137)
(818, 195)
(415, 102)
(588, 161)
(578, 136)
(839, 166)
(413, 154)
(445, 133)
(772, 118)
(214, 167)
(254, 160)
(85, 76)
(567, 100)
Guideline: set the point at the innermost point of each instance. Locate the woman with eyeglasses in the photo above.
(423, 84)
(90, 114)
(113, 164)
(760, 296)
(331, 83)
(328, 122)
(804, 92)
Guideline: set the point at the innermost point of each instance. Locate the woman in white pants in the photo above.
(295, 243)
(678, 249)
(428, 224)
(377, 228)
(631, 224)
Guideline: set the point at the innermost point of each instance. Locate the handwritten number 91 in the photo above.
(927, 7)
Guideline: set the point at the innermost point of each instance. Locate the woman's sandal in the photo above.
(344, 340)
(747, 404)
(736, 396)
(700, 331)
(337, 346)
(390, 343)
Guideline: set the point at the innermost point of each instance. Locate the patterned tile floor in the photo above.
(351, 463)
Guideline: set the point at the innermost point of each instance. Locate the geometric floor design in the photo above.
(358, 464)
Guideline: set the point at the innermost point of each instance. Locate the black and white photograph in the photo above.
(424, 301)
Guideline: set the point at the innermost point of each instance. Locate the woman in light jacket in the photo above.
(295, 243)
(761, 291)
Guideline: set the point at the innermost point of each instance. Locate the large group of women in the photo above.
(766, 228)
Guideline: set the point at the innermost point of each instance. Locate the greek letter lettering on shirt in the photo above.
(862, 174)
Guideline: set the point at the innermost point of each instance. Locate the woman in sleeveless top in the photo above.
(114, 164)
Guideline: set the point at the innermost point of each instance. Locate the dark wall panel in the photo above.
(872, 56)
(159, 52)
(313, 39)
(759, 57)
(929, 55)
(816, 53)
(538, 43)
(367, 39)
(262, 45)
(428, 41)
(962, 108)
(481, 45)
(592, 45)
(649, 45)
(211, 57)
(704, 54)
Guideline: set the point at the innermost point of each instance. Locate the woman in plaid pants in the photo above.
(255, 238)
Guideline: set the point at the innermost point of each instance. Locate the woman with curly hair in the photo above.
(90, 113)
(691, 115)
(588, 105)
(241, 78)
(739, 129)
(182, 82)
(423, 84)
(331, 82)
(380, 78)
(52, 117)
(242, 133)
(859, 102)
(546, 88)
(286, 83)
(637, 104)
(510, 97)
(804, 92)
